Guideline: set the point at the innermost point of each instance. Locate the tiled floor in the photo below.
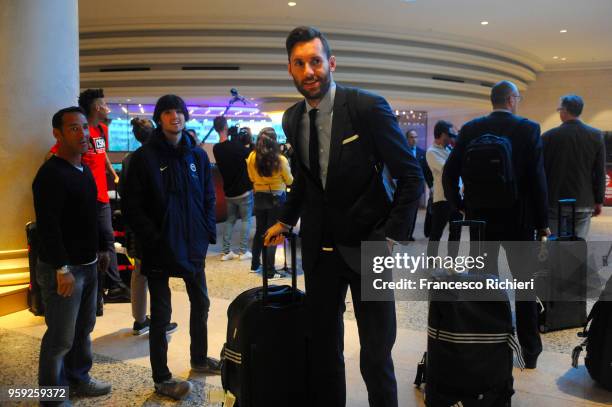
(554, 383)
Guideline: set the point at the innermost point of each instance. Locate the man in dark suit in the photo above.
(518, 220)
(342, 137)
(575, 165)
(418, 153)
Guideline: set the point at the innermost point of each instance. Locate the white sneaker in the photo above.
(228, 256)
(245, 256)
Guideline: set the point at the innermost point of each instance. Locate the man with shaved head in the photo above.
(514, 209)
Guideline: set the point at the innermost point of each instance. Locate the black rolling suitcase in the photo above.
(597, 332)
(470, 345)
(264, 359)
(35, 302)
(562, 284)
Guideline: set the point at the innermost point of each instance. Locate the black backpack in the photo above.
(488, 173)
(598, 340)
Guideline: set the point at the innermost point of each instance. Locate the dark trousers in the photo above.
(443, 214)
(500, 228)
(415, 210)
(65, 350)
(266, 214)
(107, 245)
(161, 312)
(326, 287)
(427, 222)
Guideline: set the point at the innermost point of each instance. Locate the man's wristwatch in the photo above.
(63, 270)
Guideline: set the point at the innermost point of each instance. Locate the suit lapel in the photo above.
(340, 119)
(295, 130)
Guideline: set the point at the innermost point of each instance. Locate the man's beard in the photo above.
(325, 83)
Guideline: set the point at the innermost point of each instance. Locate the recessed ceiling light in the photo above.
(292, 4)
(563, 59)
(129, 100)
(563, 31)
(555, 57)
(484, 23)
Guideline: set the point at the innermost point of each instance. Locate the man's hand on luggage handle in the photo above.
(274, 235)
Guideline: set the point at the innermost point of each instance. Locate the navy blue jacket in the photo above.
(531, 209)
(169, 203)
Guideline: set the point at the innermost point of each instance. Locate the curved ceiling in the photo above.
(532, 27)
(446, 57)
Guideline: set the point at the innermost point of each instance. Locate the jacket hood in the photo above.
(185, 145)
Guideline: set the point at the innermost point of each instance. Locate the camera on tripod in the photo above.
(240, 134)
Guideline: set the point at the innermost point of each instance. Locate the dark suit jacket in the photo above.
(354, 206)
(420, 153)
(574, 161)
(524, 135)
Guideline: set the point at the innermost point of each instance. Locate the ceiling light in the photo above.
(484, 23)
(292, 4)
(563, 59)
(563, 31)
(129, 100)
(555, 57)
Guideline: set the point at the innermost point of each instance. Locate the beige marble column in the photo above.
(39, 74)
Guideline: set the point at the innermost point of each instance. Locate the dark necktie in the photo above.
(313, 146)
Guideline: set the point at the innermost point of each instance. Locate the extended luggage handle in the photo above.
(565, 203)
(480, 225)
(292, 237)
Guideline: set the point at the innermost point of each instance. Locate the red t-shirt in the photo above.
(95, 158)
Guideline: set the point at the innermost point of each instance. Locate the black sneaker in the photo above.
(172, 327)
(141, 328)
(118, 295)
(174, 388)
(210, 366)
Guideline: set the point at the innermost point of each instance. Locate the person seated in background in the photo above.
(231, 156)
(270, 173)
(575, 165)
(142, 130)
(64, 193)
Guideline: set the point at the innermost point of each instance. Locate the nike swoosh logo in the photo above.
(161, 169)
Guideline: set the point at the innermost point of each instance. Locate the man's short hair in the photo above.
(219, 123)
(169, 102)
(573, 104)
(410, 131)
(305, 34)
(501, 91)
(87, 97)
(442, 127)
(58, 118)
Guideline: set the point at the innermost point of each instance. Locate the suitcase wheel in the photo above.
(543, 329)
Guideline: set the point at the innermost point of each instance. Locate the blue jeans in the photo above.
(65, 351)
(238, 208)
(583, 222)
